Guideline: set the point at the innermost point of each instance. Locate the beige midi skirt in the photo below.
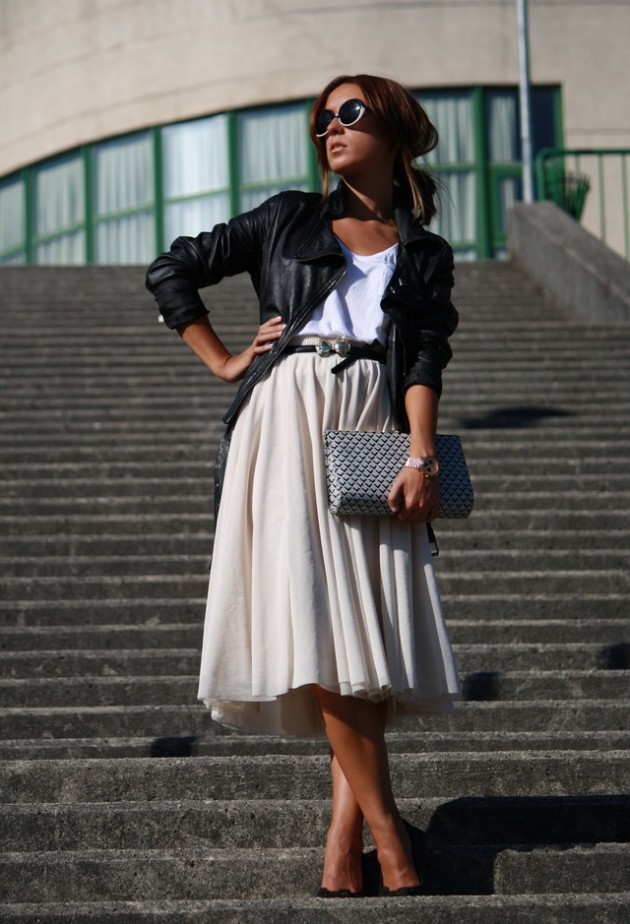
(299, 596)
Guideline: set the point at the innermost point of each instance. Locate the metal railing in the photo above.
(592, 185)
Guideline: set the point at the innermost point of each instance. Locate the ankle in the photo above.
(344, 841)
(395, 855)
(342, 867)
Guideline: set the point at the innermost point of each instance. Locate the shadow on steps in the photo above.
(510, 418)
(615, 657)
(465, 837)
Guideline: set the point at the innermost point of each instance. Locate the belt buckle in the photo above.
(339, 346)
(342, 347)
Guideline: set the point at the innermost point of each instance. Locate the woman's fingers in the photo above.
(414, 497)
(267, 334)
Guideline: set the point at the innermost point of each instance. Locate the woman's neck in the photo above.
(369, 201)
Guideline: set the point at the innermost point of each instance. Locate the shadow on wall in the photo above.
(515, 417)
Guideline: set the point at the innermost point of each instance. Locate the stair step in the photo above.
(112, 665)
(187, 583)
(471, 607)
(303, 823)
(605, 631)
(504, 522)
(197, 873)
(306, 777)
(220, 743)
(177, 562)
(561, 908)
(28, 470)
(181, 689)
(159, 720)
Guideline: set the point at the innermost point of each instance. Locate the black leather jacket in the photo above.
(295, 261)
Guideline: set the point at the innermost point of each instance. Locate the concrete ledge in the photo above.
(583, 275)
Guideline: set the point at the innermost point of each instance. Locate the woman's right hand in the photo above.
(200, 336)
(236, 366)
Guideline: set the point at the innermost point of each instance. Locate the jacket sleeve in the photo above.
(439, 321)
(192, 263)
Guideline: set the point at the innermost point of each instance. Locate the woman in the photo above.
(316, 621)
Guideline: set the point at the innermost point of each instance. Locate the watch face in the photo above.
(430, 466)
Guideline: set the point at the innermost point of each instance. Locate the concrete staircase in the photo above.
(109, 430)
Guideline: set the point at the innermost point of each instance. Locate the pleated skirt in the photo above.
(300, 596)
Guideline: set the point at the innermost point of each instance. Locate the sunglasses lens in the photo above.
(351, 112)
(323, 120)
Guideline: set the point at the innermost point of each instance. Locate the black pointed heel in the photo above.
(399, 893)
(340, 893)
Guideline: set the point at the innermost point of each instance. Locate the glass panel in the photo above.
(273, 145)
(456, 219)
(59, 194)
(191, 217)
(65, 250)
(195, 157)
(503, 127)
(16, 259)
(12, 215)
(452, 115)
(128, 239)
(123, 179)
(123, 174)
(543, 118)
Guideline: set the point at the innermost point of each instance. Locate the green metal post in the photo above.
(233, 165)
(158, 191)
(314, 182)
(484, 242)
(88, 204)
(602, 204)
(27, 173)
(624, 193)
(539, 166)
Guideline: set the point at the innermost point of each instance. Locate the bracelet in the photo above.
(426, 465)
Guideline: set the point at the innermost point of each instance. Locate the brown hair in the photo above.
(404, 121)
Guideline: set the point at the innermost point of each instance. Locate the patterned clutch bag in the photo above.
(361, 467)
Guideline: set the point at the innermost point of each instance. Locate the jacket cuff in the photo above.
(175, 317)
(424, 372)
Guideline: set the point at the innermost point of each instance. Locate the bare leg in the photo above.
(344, 842)
(355, 733)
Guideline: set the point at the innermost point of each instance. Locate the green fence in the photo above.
(589, 184)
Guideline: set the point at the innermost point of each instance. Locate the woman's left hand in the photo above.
(414, 497)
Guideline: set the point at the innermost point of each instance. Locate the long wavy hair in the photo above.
(405, 122)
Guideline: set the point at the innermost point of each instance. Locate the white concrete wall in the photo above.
(74, 71)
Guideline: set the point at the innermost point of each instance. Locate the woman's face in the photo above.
(360, 149)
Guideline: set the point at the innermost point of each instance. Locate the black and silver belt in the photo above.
(348, 352)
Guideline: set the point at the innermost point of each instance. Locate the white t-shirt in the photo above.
(353, 309)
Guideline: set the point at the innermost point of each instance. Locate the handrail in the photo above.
(560, 177)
